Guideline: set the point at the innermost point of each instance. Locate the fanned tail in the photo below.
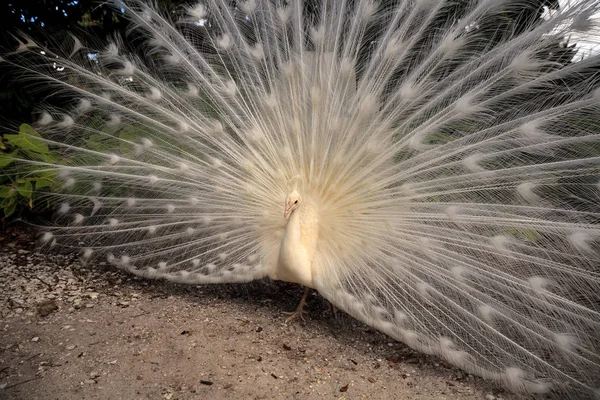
(452, 156)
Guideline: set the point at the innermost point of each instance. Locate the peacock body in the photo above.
(429, 168)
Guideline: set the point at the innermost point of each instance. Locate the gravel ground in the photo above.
(71, 331)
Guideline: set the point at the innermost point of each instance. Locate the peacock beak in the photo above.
(288, 210)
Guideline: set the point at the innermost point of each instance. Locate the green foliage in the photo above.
(29, 142)
(18, 185)
(530, 235)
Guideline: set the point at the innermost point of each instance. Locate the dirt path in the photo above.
(69, 331)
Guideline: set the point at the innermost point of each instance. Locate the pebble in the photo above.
(44, 282)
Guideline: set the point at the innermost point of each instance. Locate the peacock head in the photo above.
(292, 201)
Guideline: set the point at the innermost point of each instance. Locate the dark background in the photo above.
(50, 22)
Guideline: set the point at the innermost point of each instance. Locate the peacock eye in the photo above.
(296, 202)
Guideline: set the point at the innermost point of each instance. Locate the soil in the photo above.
(74, 331)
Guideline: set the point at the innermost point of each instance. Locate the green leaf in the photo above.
(25, 189)
(521, 233)
(42, 183)
(49, 158)
(49, 174)
(9, 210)
(27, 129)
(129, 135)
(6, 159)
(6, 191)
(7, 201)
(96, 142)
(27, 140)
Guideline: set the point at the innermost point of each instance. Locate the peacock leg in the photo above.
(299, 310)
(334, 310)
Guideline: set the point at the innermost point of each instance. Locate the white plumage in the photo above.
(297, 250)
(446, 165)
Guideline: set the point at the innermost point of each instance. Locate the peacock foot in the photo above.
(334, 311)
(299, 310)
(299, 313)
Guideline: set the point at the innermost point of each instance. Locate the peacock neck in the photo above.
(298, 246)
(293, 228)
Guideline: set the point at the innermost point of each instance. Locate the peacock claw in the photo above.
(293, 315)
(299, 310)
(334, 311)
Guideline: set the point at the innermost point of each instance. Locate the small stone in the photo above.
(35, 339)
(89, 381)
(70, 347)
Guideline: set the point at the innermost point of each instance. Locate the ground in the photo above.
(73, 331)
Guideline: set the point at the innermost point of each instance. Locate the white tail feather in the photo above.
(450, 165)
